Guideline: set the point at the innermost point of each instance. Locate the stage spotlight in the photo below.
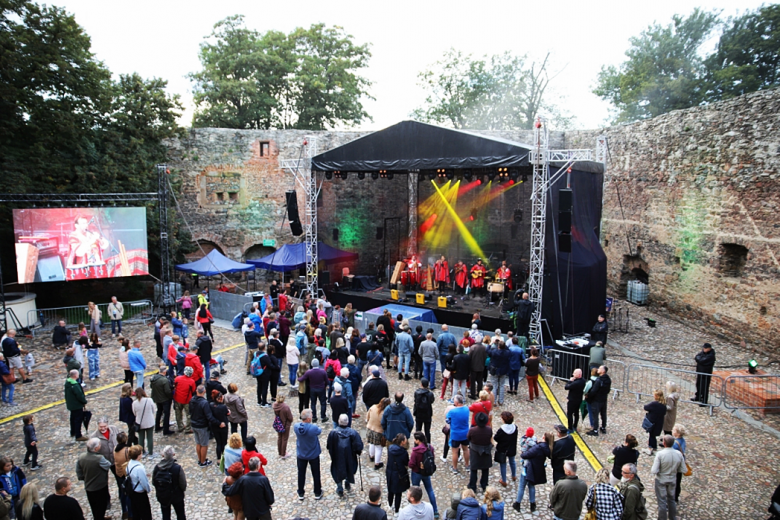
(390, 176)
(431, 175)
(514, 174)
(329, 175)
(341, 175)
(361, 175)
(383, 174)
(450, 174)
(752, 366)
(518, 217)
(503, 173)
(467, 175)
(375, 175)
(491, 176)
(525, 177)
(441, 173)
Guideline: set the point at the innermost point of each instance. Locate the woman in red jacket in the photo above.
(205, 319)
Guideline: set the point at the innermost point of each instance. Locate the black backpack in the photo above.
(422, 399)
(428, 463)
(164, 483)
(330, 372)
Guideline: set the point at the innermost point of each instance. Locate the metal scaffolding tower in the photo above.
(538, 159)
(411, 248)
(168, 296)
(307, 180)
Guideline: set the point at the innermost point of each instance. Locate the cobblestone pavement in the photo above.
(722, 448)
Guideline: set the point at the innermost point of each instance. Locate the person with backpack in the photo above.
(423, 466)
(170, 483)
(137, 485)
(344, 446)
(259, 371)
(423, 409)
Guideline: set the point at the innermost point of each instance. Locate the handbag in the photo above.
(9, 379)
(446, 374)
(278, 425)
(445, 429)
(688, 470)
(647, 425)
(500, 457)
(591, 514)
(136, 425)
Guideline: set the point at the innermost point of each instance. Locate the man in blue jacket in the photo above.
(397, 418)
(516, 360)
(307, 445)
(500, 360)
(137, 363)
(443, 342)
(405, 348)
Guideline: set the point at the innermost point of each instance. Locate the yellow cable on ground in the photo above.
(94, 391)
(584, 448)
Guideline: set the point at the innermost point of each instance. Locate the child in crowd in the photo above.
(185, 333)
(31, 443)
(493, 506)
(527, 442)
(93, 357)
(452, 512)
(82, 329)
(29, 361)
(71, 363)
(12, 480)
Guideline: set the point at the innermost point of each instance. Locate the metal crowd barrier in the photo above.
(138, 311)
(643, 380)
(752, 392)
(562, 364)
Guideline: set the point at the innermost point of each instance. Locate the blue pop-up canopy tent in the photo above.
(293, 256)
(214, 263)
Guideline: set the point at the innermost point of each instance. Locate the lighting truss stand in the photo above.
(168, 297)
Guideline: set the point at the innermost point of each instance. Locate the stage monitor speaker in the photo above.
(292, 213)
(564, 221)
(564, 199)
(49, 269)
(324, 278)
(420, 298)
(564, 242)
(442, 302)
(393, 294)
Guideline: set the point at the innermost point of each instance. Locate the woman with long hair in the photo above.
(121, 459)
(204, 318)
(283, 412)
(625, 454)
(186, 304)
(656, 411)
(94, 318)
(604, 497)
(139, 495)
(238, 415)
(220, 412)
(28, 507)
(397, 473)
(506, 446)
(375, 437)
(232, 452)
(303, 387)
(493, 506)
(144, 411)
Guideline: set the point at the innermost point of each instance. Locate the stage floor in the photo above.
(459, 314)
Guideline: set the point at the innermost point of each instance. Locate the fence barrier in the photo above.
(755, 392)
(643, 380)
(138, 311)
(562, 364)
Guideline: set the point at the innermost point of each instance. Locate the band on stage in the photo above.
(478, 280)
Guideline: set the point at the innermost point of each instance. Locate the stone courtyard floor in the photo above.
(735, 465)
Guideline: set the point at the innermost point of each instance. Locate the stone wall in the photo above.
(691, 201)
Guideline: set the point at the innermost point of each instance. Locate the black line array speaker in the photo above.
(564, 210)
(564, 242)
(292, 213)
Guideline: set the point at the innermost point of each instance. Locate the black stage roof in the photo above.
(411, 145)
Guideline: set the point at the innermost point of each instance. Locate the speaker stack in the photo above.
(564, 220)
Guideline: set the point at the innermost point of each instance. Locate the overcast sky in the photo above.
(161, 38)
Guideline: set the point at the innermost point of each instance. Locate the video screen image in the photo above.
(65, 244)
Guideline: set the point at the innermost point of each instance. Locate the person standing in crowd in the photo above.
(170, 483)
(480, 451)
(126, 411)
(443, 342)
(506, 446)
(516, 363)
(417, 509)
(115, 312)
(493, 506)
(307, 444)
(162, 395)
(667, 464)
(28, 506)
(598, 354)
(262, 374)
(672, 397)
(600, 330)
(252, 338)
(255, 491)
(598, 406)
(124, 362)
(237, 416)
(30, 443)
(201, 419)
(374, 433)
(678, 432)
(429, 353)
(500, 359)
(214, 384)
(250, 450)
(462, 364)
(205, 346)
(303, 388)
(59, 506)
(75, 402)
(144, 411)
(448, 371)
(705, 362)
(12, 480)
(371, 510)
(396, 473)
(532, 374)
(568, 494)
(458, 420)
(525, 311)
(533, 471)
(317, 380)
(205, 319)
(344, 446)
(631, 488)
(420, 451)
(60, 336)
(137, 363)
(107, 434)
(233, 453)
(183, 390)
(283, 412)
(95, 315)
(656, 410)
(186, 304)
(625, 454)
(293, 359)
(575, 387)
(423, 408)
(374, 389)
(405, 350)
(7, 388)
(478, 355)
(13, 355)
(604, 498)
(563, 450)
(397, 418)
(469, 508)
(92, 468)
(220, 412)
(338, 404)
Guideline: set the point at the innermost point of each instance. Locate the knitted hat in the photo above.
(529, 432)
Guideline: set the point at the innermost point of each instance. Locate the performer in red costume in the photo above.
(441, 273)
(504, 275)
(461, 277)
(478, 276)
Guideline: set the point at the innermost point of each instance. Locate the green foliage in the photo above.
(748, 55)
(304, 80)
(663, 72)
(501, 92)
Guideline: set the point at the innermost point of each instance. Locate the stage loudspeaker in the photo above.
(324, 278)
(564, 242)
(420, 298)
(292, 213)
(564, 221)
(49, 269)
(335, 235)
(564, 199)
(393, 294)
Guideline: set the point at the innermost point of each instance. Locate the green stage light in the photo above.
(752, 364)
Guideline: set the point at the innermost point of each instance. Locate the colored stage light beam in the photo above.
(441, 232)
(428, 224)
(468, 187)
(471, 243)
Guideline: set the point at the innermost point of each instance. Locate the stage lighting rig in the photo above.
(503, 173)
(374, 175)
(384, 174)
(340, 175)
(514, 174)
(467, 174)
(441, 173)
(361, 175)
(329, 175)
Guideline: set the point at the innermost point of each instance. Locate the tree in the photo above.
(305, 80)
(664, 70)
(748, 55)
(501, 92)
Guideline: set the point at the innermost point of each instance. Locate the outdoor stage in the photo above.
(459, 315)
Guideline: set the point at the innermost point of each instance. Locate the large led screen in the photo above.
(64, 244)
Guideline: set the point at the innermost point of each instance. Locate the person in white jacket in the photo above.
(116, 311)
